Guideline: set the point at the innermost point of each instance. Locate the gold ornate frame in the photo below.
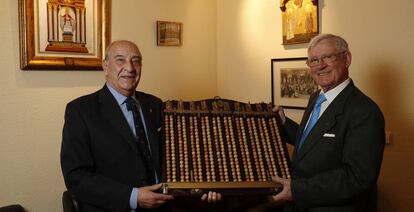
(31, 55)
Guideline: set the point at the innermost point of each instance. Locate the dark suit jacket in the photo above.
(99, 156)
(338, 173)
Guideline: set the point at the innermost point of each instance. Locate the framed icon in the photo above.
(63, 35)
(300, 20)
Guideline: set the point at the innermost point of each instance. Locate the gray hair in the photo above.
(341, 44)
(108, 48)
(107, 52)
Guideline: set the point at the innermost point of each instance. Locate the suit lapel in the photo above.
(307, 114)
(148, 113)
(113, 114)
(327, 120)
(305, 118)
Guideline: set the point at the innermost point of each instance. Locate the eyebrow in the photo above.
(118, 55)
(136, 57)
(323, 55)
(133, 57)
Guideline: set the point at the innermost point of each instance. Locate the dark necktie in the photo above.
(141, 139)
(313, 119)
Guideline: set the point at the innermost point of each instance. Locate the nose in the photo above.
(321, 63)
(129, 66)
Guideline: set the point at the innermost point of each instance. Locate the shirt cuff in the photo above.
(133, 200)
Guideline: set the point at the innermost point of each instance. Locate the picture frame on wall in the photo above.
(169, 33)
(291, 83)
(300, 20)
(63, 35)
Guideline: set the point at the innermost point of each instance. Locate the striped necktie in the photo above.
(141, 140)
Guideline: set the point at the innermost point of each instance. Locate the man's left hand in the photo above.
(286, 194)
(211, 197)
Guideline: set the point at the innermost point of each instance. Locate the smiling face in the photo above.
(329, 74)
(122, 67)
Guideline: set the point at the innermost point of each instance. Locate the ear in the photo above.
(105, 66)
(348, 59)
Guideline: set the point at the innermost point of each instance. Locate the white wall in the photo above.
(380, 34)
(188, 71)
(33, 102)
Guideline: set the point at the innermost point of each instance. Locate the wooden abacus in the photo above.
(222, 145)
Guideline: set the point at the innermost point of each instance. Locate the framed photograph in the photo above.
(169, 33)
(63, 34)
(291, 83)
(299, 20)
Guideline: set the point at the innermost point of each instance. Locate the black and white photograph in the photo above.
(291, 82)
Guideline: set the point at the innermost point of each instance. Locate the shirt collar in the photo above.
(118, 97)
(333, 93)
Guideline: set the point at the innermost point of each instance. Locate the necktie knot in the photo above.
(130, 103)
(321, 98)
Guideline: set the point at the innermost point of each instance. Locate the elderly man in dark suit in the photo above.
(112, 140)
(340, 141)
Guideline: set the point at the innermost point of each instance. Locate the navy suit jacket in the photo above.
(337, 167)
(99, 156)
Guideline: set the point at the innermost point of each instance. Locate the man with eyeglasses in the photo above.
(339, 143)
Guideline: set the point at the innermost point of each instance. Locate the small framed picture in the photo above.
(169, 33)
(291, 83)
(300, 20)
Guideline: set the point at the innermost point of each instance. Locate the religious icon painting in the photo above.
(299, 20)
(66, 28)
(63, 34)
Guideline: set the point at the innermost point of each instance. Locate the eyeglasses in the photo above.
(312, 62)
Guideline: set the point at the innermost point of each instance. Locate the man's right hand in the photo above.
(279, 109)
(148, 198)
